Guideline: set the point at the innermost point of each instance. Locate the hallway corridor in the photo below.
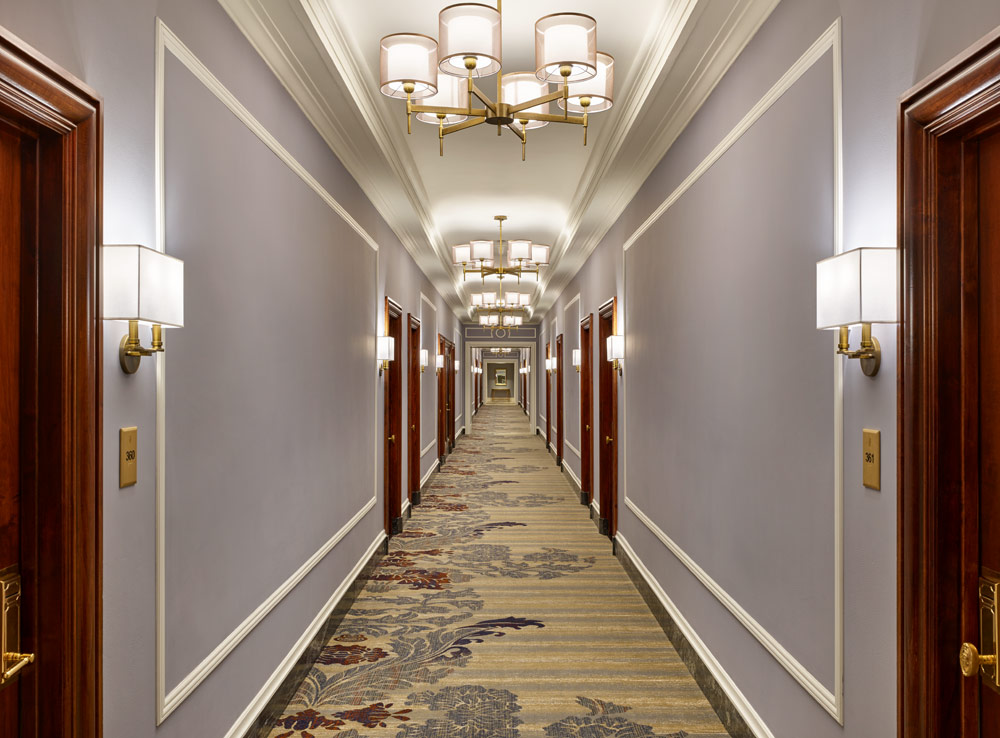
(499, 611)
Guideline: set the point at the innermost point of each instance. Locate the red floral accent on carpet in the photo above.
(348, 655)
(351, 637)
(406, 558)
(417, 578)
(374, 716)
(307, 720)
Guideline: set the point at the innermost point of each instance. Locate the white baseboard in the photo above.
(460, 431)
(574, 477)
(259, 702)
(428, 475)
(406, 506)
(597, 506)
(739, 700)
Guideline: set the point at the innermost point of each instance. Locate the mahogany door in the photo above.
(442, 401)
(548, 400)
(949, 400)
(608, 412)
(587, 410)
(413, 409)
(449, 366)
(50, 399)
(393, 426)
(559, 400)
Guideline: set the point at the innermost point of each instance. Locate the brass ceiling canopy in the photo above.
(442, 75)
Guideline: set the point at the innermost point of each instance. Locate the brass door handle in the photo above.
(970, 660)
(392, 438)
(608, 439)
(19, 661)
(586, 427)
(413, 427)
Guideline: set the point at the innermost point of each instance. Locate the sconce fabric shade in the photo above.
(539, 253)
(494, 320)
(477, 299)
(439, 361)
(600, 88)
(482, 250)
(616, 348)
(858, 286)
(140, 283)
(576, 357)
(520, 250)
(452, 92)
(469, 29)
(461, 254)
(424, 358)
(484, 320)
(386, 348)
(458, 365)
(408, 57)
(489, 298)
(565, 39)
(520, 87)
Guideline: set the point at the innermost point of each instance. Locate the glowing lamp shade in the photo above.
(539, 254)
(576, 357)
(469, 31)
(565, 42)
(482, 250)
(484, 320)
(859, 286)
(424, 357)
(452, 92)
(520, 250)
(520, 87)
(477, 299)
(142, 284)
(386, 348)
(439, 361)
(461, 254)
(494, 320)
(598, 91)
(458, 365)
(489, 298)
(408, 59)
(508, 320)
(616, 348)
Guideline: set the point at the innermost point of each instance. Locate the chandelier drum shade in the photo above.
(408, 66)
(415, 67)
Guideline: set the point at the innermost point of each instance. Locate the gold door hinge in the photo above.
(10, 626)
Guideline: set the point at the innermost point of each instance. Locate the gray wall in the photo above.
(725, 372)
(283, 301)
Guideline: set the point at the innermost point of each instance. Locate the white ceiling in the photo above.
(669, 54)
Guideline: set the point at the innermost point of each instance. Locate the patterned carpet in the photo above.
(499, 612)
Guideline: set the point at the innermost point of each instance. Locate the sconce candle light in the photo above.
(141, 285)
(386, 352)
(858, 287)
(576, 359)
(616, 352)
(439, 361)
(424, 359)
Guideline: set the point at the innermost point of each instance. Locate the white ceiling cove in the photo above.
(669, 55)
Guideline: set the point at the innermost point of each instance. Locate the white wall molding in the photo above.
(572, 448)
(831, 700)
(428, 448)
(566, 468)
(740, 702)
(571, 302)
(428, 475)
(259, 702)
(168, 701)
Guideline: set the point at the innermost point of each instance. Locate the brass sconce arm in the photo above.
(869, 352)
(131, 350)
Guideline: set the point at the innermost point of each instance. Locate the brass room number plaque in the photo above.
(871, 475)
(128, 462)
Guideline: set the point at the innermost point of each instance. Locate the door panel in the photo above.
(608, 438)
(587, 409)
(548, 400)
(413, 408)
(559, 400)
(393, 447)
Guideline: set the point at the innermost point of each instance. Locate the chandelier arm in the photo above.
(550, 118)
(517, 133)
(474, 112)
(551, 97)
(483, 98)
(463, 125)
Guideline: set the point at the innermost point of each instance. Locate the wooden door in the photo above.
(548, 400)
(442, 401)
(393, 425)
(413, 409)
(608, 412)
(559, 400)
(587, 410)
(949, 425)
(452, 404)
(50, 399)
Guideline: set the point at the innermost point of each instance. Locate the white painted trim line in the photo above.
(428, 301)
(429, 447)
(572, 448)
(570, 303)
(166, 703)
(429, 474)
(406, 506)
(456, 419)
(259, 702)
(597, 509)
(831, 701)
(179, 693)
(739, 700)
(829, 39)
(459, 431)
(543, 418)
(566, 467)
(538, 430)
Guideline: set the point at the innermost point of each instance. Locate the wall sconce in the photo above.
(141, 285)
(458, 365)
(439, 361)
(548, 366)
(576, 359)
(386, 350)
(616, 352)
(858, 287)
(424, 359)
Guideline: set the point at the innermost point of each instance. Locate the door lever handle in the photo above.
(392, 438)
(970, 660)
(586, 427)
(608, 439)
(21, 659)
(413, 427)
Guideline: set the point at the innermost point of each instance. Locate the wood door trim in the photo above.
(587, 404)
(935, 543)
(413, 398)
(40, 96)
(559, 400)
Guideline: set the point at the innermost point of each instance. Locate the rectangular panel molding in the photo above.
(832, 700)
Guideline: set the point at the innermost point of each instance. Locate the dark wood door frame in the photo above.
(587, 410)
(559, 400)
(60, 499)
(938, 527)
(452, 391)
(548, 400)
(442, 415)
(608, 414)
(393, 422)
(413, 395)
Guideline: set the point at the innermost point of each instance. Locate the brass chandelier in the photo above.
(442, 75)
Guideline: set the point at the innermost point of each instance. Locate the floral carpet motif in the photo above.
(499, 612)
